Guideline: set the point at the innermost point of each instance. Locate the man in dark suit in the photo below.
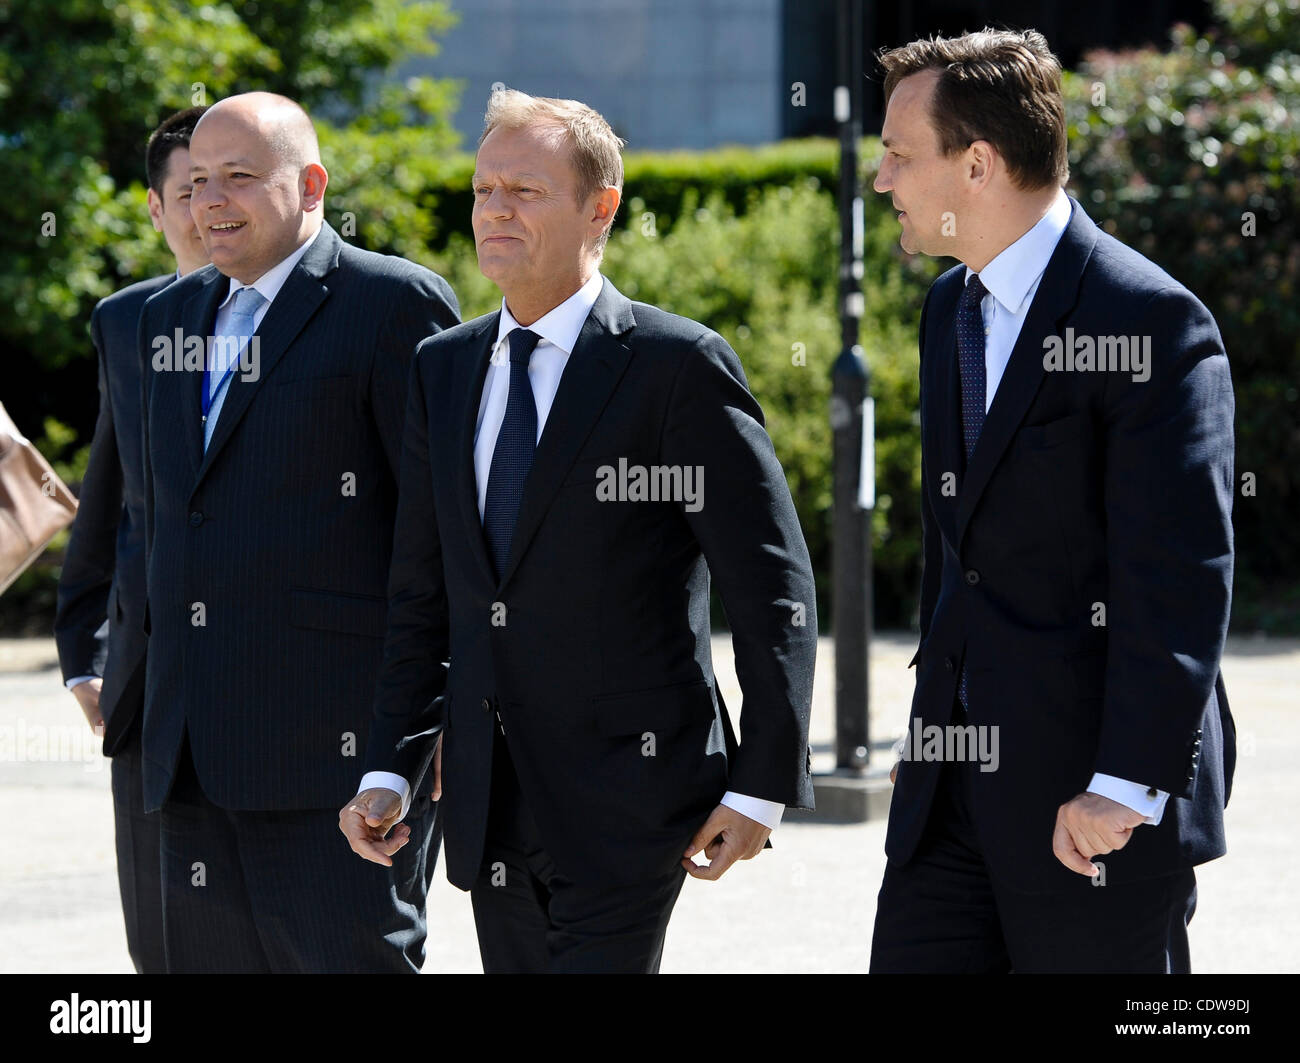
(1077, 450)
(101, 586)
(575, 467)
(271, 480)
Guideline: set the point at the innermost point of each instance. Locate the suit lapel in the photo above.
(472, 373)
(1057, 293)
(942, 428)
(594, 369)
(197, 316)
(293, 307)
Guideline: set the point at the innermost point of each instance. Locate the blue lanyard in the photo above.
(209, 396)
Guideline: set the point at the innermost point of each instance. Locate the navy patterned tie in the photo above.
(970, 360)
(970, 364)
(513, 454)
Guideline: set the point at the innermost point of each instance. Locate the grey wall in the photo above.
(666, 73)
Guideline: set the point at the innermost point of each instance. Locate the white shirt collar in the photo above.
(561, 325)
(1016, 269)
(270, 282)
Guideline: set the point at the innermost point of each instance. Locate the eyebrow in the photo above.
(245, 163)
(513, 177)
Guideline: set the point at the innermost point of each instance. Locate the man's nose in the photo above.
(497, 204)
(882, 182)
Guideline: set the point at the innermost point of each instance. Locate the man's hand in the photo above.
(1091, 825)
(366, 820)
(87, 695)
(726, 837)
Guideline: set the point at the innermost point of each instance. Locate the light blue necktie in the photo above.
(224, 360)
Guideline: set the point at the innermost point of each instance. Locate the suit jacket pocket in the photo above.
(350, 614)
(311, 389)
(659, 709)
(1053, 432)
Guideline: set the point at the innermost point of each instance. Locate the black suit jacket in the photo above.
(268, 553)
(103, 569)
(594, 644)
(1084, 488)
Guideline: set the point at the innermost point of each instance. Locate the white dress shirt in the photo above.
(559, 329)
(1011, 280)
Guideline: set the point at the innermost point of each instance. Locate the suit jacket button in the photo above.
(972, 577)
(948, 664)
(487, 705)
(196, 518)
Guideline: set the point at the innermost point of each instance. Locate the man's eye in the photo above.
(239, 174)
(198, 180)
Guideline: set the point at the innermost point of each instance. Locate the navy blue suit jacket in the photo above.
(1084, 488)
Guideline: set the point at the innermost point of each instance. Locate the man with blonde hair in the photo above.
(549, 598)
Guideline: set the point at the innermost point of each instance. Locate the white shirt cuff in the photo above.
(77, 680)
(387, 780)
(767, 813)
(1132, 795)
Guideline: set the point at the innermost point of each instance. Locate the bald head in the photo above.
(259, 184)
(277, 120)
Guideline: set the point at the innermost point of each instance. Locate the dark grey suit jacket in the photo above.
(268, 553)
(594, 645)
(103, 568)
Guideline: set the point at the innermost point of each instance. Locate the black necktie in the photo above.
(970, 364)
(513, 455)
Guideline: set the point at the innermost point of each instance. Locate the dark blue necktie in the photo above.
(513, 455)
(970, 360)
(970, 364)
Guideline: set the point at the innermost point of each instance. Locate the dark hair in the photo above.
(1003, 86)
(174, 132)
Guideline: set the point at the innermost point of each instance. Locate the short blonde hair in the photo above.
(594, 150)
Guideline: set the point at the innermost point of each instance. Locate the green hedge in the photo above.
(1182, 146)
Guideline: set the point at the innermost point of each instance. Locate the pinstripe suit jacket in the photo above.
(267, 555)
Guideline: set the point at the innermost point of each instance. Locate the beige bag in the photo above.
(35, 505)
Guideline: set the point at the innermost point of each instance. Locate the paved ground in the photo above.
(806, 905)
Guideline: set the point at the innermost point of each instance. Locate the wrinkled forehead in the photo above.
(540, 151)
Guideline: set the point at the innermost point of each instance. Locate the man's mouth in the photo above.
(226, 226)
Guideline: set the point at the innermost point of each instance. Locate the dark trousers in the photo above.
(531, 919)
(139, 878)
(944, 913)
(281, 892)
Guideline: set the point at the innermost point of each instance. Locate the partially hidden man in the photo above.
(97, 625)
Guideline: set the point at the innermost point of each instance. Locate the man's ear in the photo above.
(981, 160)
(314, 179)
(605, 206)
(155, 210)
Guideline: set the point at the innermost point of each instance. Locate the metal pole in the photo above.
(853, 426)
